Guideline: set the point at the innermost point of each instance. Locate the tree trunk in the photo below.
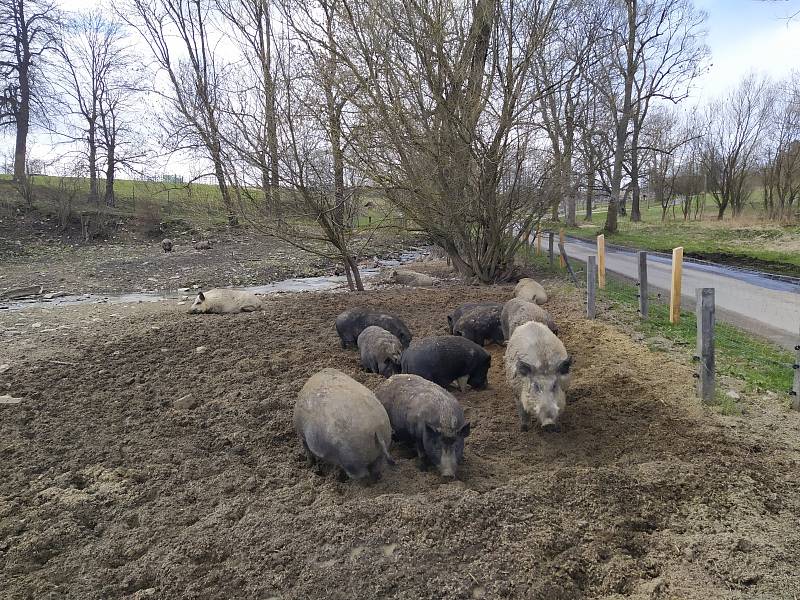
(623, 119)
(23, 117)
(356, 274)
(589, 196)
(110, 199)
(636, 214)
(219, 172)
(94, 196)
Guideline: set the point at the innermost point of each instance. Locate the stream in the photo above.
(297, 284)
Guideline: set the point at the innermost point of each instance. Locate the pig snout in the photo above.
(448, 463)
(547, 413)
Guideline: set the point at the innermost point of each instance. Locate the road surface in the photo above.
(760, 304)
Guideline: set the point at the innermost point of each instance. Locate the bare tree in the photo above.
(252, 105)
(670, 54)
(317, 210)
(195, 91)
(92, 54)
(670, 162)
(729, 149)
(558, 71)
(28, 32)
(781, 162)
(445, 93)
(654, 48)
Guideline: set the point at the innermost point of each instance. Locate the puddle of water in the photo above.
(297, 284)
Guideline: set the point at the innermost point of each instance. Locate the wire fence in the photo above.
(757, 364)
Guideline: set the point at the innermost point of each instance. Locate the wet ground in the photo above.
(130, 263)
(152, 455)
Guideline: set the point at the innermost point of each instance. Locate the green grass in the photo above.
(745, 241)
(196, 203)
(760, 364)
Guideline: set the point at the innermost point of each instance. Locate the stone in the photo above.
(9, 399)
(201, 349)
(24, 292)
(733, 394)
(186, 402)
(4, 367)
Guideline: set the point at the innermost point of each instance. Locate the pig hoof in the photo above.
(341, 476)
(524, 427)
(552, 428)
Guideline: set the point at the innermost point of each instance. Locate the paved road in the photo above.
(764, 306)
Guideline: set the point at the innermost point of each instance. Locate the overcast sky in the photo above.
(749, 35)
(743, 35)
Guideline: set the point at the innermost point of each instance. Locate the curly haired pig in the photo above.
(380, 351)
(454, 316)
(444, 359)
(538, 370)
(481, 325)
(530, 290)
(518, 311)
(352, 322)
(341, 422)
(429, 417)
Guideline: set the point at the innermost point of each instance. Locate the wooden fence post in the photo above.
(644, 304)
(675, 290)
(705, 343)
(538, 241)
(601, 261)
(550, 248)
(561, 261)
(591, 282)
(795, 393)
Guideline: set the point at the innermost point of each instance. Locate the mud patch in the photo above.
(108, 489)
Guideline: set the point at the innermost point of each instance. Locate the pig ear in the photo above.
(464, 431)
(563, 367)
(524, 369)
(201, 297)
(434, 431)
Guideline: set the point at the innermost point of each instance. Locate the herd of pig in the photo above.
(343, 423)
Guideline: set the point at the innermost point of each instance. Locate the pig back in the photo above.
(412, 401)
(338, 419)
(530, 290)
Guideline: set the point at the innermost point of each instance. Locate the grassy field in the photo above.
(748, 240)
(198, 203)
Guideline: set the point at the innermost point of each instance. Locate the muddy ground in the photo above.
(114, 484)
(32, 252)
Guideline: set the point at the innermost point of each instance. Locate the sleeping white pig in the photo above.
(224, 301)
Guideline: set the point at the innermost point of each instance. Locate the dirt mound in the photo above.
(114, 484)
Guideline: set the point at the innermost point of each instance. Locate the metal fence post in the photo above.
(550, 248)
(644, 304)
(591, 283)
(705, 343)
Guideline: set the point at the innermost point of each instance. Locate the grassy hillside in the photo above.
(749, 240)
